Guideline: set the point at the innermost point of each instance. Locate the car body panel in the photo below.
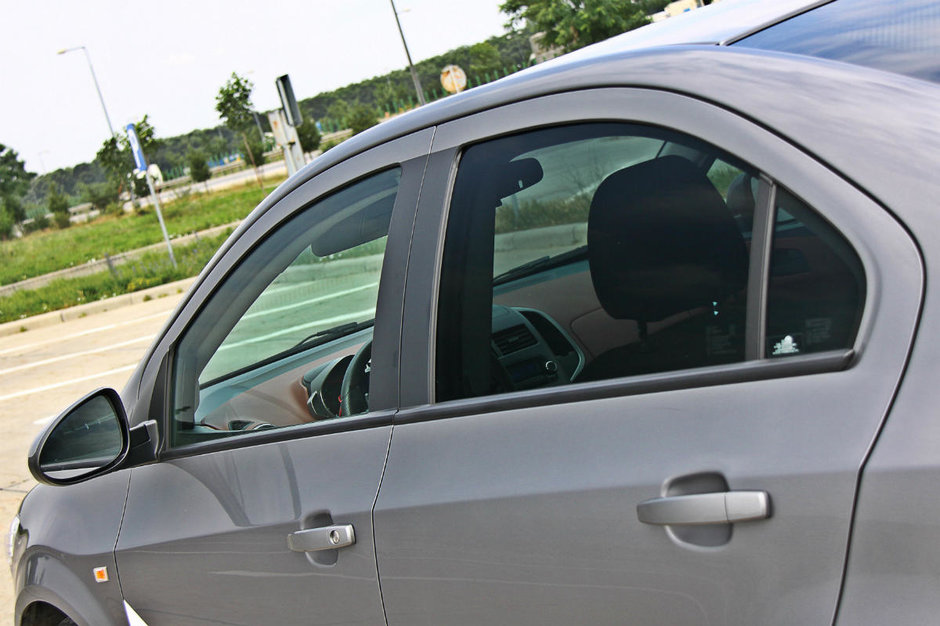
(527, 506)
(64, 535)
(220, 552)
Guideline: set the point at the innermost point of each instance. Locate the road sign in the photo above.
(135, 148)
(141, 162)
(453, 79)
(288, 101)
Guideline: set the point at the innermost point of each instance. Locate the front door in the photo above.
(281, 380)
(659, 352)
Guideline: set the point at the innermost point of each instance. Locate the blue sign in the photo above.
(135, 148)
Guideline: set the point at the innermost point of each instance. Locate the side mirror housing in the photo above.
(89, 439)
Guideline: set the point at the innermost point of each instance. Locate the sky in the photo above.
(168, 59)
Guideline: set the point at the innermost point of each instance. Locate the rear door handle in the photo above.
(323, 538)
(706, 508)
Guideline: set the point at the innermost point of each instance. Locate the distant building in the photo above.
(679, 6)
(541, 53)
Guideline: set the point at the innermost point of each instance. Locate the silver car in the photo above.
(642, 335)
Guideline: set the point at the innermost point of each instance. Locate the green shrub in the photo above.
(309, 135)
(536, 214)
(61, 220)
(6, 223)
(101, 195)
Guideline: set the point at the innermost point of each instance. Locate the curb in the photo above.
(91, 308)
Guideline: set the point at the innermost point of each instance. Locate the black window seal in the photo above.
(237, 440)
(742, 372)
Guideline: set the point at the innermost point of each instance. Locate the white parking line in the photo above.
(295, 305)
(27, 392)
(358, 315)
(30, 346)
(73, 355)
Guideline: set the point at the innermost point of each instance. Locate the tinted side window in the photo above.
(816, 288)
(598, 251)
(902, 36)
(272, 346)
(590, 252)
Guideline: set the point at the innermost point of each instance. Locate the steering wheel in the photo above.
(353, 399)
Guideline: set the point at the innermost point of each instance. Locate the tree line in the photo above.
(566, 24)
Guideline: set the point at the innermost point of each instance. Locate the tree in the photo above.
(103, 196)
(572, 24)
(653, 6)
(309, 135)
(58, 204)
(233, 102)
(339, 112)
(117, 160)
(361, 117)
(14, 183)
(198, 168)
(484, 58)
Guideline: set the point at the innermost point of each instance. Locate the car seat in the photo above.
(663, 247)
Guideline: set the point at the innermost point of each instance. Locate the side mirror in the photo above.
(90, 438)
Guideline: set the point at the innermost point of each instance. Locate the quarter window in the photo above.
(816, 287)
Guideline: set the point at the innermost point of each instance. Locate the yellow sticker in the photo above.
(101, 574)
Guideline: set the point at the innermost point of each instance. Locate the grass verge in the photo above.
(149, 270)
(43, 252)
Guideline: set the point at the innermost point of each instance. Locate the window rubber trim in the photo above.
(742, 372)
(237, 440)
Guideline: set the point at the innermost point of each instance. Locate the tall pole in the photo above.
(95, 79)
(414, 74)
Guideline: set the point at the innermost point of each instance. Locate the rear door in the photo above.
(259, 510)
(656, 349)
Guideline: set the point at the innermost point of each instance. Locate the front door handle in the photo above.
(324, 538)
(705, 508)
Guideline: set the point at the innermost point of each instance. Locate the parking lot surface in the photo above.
(43, 370)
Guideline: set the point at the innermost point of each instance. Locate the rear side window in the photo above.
(902, 36)
(597, 251)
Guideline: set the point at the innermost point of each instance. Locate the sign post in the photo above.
(141, 163)
(285, 136)
(284, 123)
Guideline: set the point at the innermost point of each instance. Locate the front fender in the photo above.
(65, 534)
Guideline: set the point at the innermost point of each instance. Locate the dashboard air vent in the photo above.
(513, 339)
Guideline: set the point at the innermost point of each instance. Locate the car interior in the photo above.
(555, 272)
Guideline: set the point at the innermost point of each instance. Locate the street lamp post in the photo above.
(95, 79)
(414, 74)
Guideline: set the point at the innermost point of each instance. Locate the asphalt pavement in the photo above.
(48, 362)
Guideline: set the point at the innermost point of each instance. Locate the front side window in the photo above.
(599, 251)
(273, 345)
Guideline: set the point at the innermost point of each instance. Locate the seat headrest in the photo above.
(662, 241)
